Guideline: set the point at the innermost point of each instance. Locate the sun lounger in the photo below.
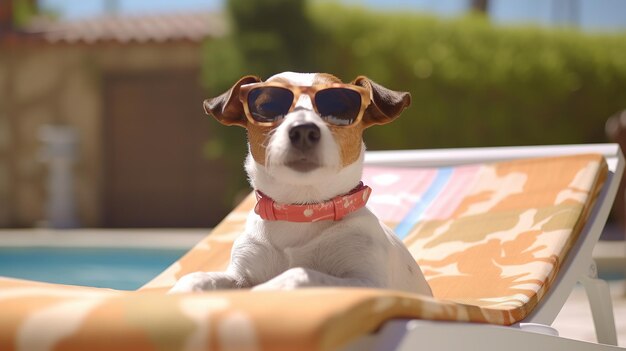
(501, 234)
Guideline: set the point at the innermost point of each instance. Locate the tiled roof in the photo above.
(126, 29)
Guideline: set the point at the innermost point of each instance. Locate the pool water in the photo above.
(116, 268)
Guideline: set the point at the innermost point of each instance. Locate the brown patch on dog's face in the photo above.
(349, 141)
(258, 138)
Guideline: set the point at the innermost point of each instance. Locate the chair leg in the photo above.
(601, 305)
(431, 335)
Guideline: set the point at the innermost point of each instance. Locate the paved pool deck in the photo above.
(575, 321)
(157, 238)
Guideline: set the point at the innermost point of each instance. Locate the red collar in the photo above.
(333, 209)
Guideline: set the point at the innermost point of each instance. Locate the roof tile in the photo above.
(125, 29)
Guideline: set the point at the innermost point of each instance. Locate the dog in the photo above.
(305, 161)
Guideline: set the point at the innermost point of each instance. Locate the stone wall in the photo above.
(62, 85)
(5, 143)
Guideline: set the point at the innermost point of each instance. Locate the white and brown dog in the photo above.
(310, 227)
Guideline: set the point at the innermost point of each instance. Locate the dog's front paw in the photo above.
(203, 281)
(289, 280)
(192, 282)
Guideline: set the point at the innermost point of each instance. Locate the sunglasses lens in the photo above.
(338, 106)
(269, 104)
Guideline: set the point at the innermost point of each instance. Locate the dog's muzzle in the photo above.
(304, 138)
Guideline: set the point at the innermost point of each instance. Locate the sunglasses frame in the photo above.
(297, 91)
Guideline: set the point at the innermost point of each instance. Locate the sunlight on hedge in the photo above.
(477, 84)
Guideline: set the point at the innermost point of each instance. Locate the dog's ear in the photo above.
(227, 108)
(386, 104)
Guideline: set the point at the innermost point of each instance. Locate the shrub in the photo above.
(474, 83)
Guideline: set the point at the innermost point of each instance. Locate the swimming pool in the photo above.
(116, 268)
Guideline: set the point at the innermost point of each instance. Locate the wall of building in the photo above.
(62, 85)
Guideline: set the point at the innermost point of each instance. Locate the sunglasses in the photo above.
(267, 103)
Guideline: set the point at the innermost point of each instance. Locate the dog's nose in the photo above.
(304, 136)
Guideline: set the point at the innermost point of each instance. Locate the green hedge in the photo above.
(477, 84)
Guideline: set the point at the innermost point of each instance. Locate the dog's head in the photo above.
(291, 136)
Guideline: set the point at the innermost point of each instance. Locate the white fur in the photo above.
(298, 79)
(357, 251)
